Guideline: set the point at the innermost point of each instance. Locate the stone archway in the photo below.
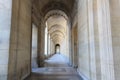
(57, 48)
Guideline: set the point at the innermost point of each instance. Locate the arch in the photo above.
(57, 45)
(57, 48)
(56, 12)
(54, 5)
(56, 38)
(57, 35)
(57, 26)
(57, 32)
(57, 21)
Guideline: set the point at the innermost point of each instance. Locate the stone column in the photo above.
(91, 41)
(98, 33)
(69, 40)
(72, 46)
(83, 39)
(115, 28)
(41, 38)
(47, 44)
(96, 41)
(50, 46)
(105, 38)
(53, 47)
(20, 40)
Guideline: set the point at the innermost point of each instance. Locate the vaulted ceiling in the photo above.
(46, 5)
(56, 13)
(42, 7)
(57, 25)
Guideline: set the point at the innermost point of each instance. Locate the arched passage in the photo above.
(58, 30)
(57, 48)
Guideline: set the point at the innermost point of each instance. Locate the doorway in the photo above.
(57, 49)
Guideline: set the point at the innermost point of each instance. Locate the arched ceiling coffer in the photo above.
(56, 20)
(57, 27)
(57, 40)
(57, 32)
(58, 36)
(57, 13)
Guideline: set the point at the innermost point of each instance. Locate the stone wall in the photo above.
(20, 40)
(5, 25)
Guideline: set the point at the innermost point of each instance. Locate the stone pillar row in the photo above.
(41, 44)
(98, 28)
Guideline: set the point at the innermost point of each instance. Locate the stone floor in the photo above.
(56, 68)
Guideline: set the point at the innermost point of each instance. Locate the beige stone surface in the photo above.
(115, 30)
(41, 41)
(86, 30)
(95, 39)
(20, 42)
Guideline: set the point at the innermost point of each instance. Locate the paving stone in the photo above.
(56, 69)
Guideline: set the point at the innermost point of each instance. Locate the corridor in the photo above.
(56, 68)
(59, 39)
